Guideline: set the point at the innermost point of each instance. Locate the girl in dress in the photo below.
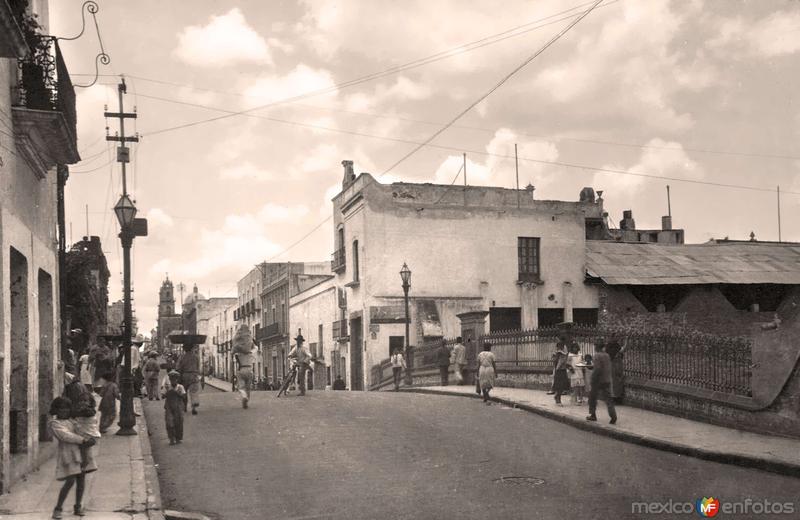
(70, 465)
(487, 371)
(575, 366)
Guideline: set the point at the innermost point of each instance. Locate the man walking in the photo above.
(398, 364)
(601, 383)
(460, 360)
(245, 376)
(443, 362)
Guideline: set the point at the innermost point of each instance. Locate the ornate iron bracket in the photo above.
(92, 8)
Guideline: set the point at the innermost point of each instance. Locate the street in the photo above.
(399, 455)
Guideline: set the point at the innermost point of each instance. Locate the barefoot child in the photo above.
(174, 407)
(69, 462)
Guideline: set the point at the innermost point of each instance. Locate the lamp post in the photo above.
(405, 275)
(126, 212)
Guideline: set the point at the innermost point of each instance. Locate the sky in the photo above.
(700, 95)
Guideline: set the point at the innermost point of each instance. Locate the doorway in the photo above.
(46, 328)
(18, 417)
(356, 355)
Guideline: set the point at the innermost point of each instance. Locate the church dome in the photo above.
(193, 297)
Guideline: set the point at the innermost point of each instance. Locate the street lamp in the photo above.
(405, 275)
(126, 213)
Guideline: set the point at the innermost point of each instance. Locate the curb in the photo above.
(153, 491)
(772, 466)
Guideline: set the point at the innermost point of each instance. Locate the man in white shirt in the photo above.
(398, 364)
(459, 360)
(302, 357)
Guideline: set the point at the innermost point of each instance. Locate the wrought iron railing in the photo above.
(338, 260)
(691, 360)
(43, 82)
(268, 331)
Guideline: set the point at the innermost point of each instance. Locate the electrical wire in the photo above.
(391, 71)
(451, 184)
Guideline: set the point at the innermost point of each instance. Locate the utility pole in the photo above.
(465, 178)
(779, 214)
(516, 167)
(126, 213)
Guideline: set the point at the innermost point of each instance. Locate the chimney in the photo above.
(627, 221)
(530, 188)
(587, 195)
(349, 175)
(666, 223)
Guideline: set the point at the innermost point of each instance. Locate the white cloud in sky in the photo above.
(157, 217)
(245, 171)
(777, 34)
(497, 169)
(225, 40)
(302, 79)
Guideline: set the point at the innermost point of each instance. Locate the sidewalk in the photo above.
(124, 487)
(653, 429)
(219, 384)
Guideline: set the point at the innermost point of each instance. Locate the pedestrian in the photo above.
(601, 383)
(174, 407)
(560, 377)
(302, 358)
(615, 348)
(151, 374)
(189, 368)
(338, 383)
(245, 375)
(84, 414)
(459, 360)
(69, 463)
(164, 365)
(109, 394)
(102, 360)
(575, 367)
(85, 372)
(487, 371)
(443, 362)
(398, 365)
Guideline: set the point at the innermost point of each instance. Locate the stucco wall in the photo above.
(308, 310)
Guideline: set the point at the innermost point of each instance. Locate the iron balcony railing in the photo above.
(340, 330)
(338, 260)
(43, 82)
(268, 331)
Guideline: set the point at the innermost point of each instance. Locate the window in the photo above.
(355, 260)
(528, 255)
(504, 318)
(340, 245)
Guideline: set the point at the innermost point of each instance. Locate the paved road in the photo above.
(356, 455)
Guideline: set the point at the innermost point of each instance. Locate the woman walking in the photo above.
(575, 367)
(487, 371)
(71, 468)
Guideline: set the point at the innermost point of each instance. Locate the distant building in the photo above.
(206, 322)
(85, 280)
(248, 311)
(628, 232)
(281, 281)
(168, 320)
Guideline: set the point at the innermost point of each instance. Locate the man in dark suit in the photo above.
(601, 383)
(443, 362)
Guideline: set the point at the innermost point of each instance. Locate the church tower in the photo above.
(166, 299)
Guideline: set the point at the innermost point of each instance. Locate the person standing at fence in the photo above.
(487, 371)
(443, 362)
(615, 350)
(575, 367)
(398, 365)
(560, 377)
(459, 360)
(601, 383)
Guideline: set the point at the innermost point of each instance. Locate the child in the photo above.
(108, 402)
(587, 380)
(174, 406)
(575, 368)
(86, 425)
(69, 462)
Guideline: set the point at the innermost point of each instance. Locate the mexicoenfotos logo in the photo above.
(707, 507)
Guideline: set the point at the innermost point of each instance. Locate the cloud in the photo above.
(246, 171)
(157, 217)
(226, 40)
(777, 34)
(498, 167)
(302, 79)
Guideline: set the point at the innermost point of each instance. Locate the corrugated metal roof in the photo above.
(663, 264)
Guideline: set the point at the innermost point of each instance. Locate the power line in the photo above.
(391, 71)
(472, 105)
(470, 151)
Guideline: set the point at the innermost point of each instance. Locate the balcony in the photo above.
(44, 108)
(12, 39)
(268, 331)
(340, 330)
(338, 261)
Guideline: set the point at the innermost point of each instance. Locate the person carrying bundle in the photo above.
(242, 349)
